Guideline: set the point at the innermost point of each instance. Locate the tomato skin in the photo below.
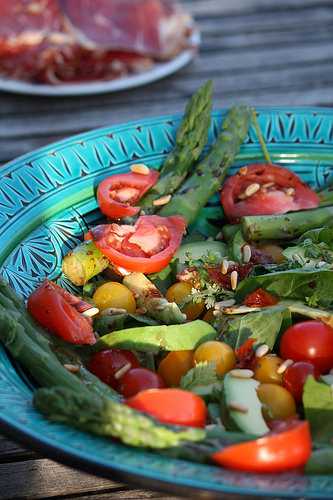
(295, 377)
(55, 309)
(105, 364)
(138, 380)
(310, 341)
(275, 452)
(266, 201)
(175, 365)
(260, 298)
(171, 406)
(121, 253)
(110, 189)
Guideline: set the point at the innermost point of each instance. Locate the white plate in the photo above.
(158, 71)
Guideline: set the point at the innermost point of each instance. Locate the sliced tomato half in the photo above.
(146, 247)
(275, 452)
(265, 189)
(118, 194)
(59, 312)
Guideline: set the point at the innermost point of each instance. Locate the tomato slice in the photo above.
(146, 247)
(275, 190)
(117, 194)
(171, 406)
(260, 298)
(58, 311)
(275, 452)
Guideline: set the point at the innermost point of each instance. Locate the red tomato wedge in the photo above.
(171, 406)
(275, 452)
(146, 247)
(265, 189)
(260, 298)
(58, 311)
(117, 194)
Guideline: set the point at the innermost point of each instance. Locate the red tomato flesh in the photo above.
(171, 406)
(117, 194)
(295, 377)
(310, 341)
(54, 309)
(140, 379)
(106, 364)
(275, 452)
(260, 298)
(146, 247)
(278, 191)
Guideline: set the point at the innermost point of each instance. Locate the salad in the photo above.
(203, 331)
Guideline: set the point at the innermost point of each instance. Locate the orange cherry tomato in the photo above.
(171, 406)
(174, 366)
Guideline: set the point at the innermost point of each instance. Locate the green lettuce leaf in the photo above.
(264, 326)
(318, 408)
(313, 287)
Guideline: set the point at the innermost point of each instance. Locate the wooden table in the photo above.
(262, 52)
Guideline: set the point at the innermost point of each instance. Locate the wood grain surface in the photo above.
(263, 52)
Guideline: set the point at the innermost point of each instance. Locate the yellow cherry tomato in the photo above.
(278, 403)
(179, 292)
(174, 366)
(219, 352)
(113, 294)
(266, 369)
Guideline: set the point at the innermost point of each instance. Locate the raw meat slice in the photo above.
(157, 28)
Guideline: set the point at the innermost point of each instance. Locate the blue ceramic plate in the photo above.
(47, 202)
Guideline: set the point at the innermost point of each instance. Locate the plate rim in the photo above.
(73, 458)
(158, 71)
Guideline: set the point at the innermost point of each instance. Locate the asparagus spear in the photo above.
(191, 138)
(210, 173)
(150, 298)
(108, 418)
(84, 262)
(286, 226)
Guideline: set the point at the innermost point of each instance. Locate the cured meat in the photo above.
(149, 27)
(57, 41)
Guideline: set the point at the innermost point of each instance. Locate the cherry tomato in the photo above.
(174, 366)
(260, 298)
(178, 292)
(310, 341)
(106, 364)
(57, 311)
(146, 247)
(278, 403)
(219, 352)
(171, 406)
(265, 369)
(275, 452)
(275, 190)
(117, 194)
(114, 294)
(295, 377)
(139, 379)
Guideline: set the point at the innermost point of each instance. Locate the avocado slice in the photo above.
(186, 336)
(198, 249)
(243, 392)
